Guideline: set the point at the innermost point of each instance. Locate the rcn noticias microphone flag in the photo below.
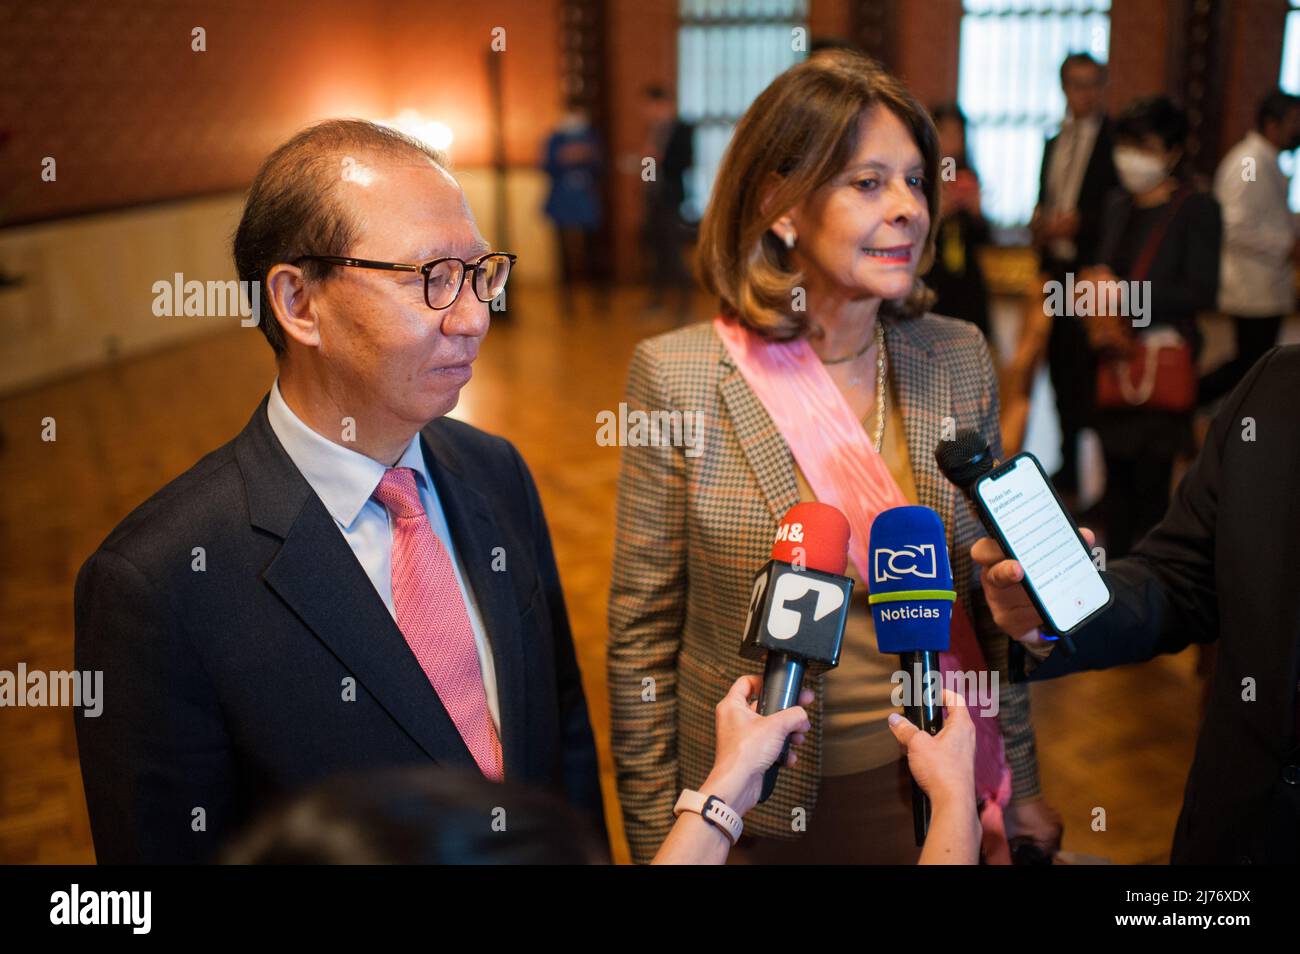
(909, 581)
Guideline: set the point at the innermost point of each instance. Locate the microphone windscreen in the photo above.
(910, 581)
(814, 535)
(964, 459)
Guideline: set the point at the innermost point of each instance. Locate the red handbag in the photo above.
(1160, 374)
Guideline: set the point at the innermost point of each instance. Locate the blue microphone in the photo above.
(911, 597)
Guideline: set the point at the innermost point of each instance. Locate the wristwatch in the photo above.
(713, 810)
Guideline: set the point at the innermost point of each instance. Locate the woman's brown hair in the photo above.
(802, 130)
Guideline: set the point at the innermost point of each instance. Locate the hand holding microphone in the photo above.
(748, 744)
(798, 608)
(911, 599)
(943, 766)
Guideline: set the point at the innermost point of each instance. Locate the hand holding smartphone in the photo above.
(1019, 506)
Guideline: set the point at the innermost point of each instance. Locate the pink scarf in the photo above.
(844, 470)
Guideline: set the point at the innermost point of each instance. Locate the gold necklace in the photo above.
(851, 357)
(881, 370)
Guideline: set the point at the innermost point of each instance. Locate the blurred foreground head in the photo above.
(422, 815)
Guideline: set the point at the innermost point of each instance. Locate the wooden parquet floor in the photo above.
(1119, 740)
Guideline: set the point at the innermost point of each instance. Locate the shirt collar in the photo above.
(1092, 122)
(1259, 147)
(343, 479)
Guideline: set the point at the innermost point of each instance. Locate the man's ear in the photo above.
(286, 290)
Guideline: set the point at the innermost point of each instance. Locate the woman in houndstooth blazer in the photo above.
(820, 222)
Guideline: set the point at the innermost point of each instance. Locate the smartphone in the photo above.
(1021, 508)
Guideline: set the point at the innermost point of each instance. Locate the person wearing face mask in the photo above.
(1256, 275)
(1161, 238)
(823, 377)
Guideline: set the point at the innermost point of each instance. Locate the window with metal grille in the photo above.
(1009, 87)
(1289, 80)
(727, 53)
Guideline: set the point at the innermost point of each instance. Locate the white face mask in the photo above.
(1138, 171)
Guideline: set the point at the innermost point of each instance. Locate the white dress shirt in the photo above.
(1069, 162)
(344, 480)
(1255, 272)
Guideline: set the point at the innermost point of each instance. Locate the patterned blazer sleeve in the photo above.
(647, 607)
(1013, 708)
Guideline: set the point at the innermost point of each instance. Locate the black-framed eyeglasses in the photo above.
(443, 277)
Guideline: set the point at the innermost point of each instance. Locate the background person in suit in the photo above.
(692, 530)
(1077, 173)
(355, 581)
(671, 142)
(1219, 568)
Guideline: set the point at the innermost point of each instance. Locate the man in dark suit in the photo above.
(355, 581)
(670, 142)
(1077, 172)
(1221, 567)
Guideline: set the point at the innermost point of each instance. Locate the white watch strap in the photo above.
(713, 810)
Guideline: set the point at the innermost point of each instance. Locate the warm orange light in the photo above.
(429, 131)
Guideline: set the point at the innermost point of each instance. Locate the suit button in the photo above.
(1291, 770)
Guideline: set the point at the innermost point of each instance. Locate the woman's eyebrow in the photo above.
(876, 165)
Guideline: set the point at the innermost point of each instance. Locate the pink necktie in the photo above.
(431, 615)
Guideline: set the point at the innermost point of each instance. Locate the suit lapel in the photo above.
(766, 451)
(475, 534)
(317, 575)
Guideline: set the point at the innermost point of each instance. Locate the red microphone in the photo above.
(815, 536)
(798, 609)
